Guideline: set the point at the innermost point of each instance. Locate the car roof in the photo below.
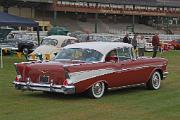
(102, 47)
(60, 37)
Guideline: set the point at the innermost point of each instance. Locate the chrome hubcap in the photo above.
(98, 88)
(156, 80)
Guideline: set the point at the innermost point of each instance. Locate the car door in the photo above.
(119, 77)
(130, 70)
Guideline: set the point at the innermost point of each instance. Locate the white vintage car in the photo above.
(50, 46)
(148, 45)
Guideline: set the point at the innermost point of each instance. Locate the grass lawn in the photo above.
(125, 104)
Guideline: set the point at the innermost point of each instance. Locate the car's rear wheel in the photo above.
(154, 82)
(97, 90)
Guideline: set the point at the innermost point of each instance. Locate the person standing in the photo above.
(126, 39)
(156, 44)
(141, 45)
(134, 43)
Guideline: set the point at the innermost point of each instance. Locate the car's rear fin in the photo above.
(17, 71)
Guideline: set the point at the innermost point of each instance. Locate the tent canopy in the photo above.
(11, 20)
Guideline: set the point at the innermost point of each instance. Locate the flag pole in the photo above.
(1, 59)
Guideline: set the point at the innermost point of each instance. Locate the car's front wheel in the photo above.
(154, 82)
(97, 90)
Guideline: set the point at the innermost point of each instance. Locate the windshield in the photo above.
(78, 54)
(49, 41)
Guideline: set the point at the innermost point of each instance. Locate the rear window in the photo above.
(69, 41)
(49, 41)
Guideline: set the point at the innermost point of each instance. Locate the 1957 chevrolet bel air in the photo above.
(91, 67)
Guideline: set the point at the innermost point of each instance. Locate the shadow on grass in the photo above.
(58, 96)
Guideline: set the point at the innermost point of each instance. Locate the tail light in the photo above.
(67, 82)
(18, 78)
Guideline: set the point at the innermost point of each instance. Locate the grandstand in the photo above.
(107, 16)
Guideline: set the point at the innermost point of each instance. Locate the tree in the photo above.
(7, 3)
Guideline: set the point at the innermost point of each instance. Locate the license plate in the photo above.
(44, 79)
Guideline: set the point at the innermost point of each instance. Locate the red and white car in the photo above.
(91, 67)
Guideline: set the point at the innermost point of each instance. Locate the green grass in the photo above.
(126, 104)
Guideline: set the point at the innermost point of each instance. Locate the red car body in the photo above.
(69, 77)
(175, 44)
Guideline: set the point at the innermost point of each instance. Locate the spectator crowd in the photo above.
(139, 42)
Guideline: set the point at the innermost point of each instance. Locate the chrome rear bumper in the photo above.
(165, 74)
(44, 87)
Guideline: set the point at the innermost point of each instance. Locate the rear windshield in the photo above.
(49, 41)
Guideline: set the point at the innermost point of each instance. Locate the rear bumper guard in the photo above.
(165, 74)
(44, 87)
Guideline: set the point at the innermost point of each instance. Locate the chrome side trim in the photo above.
(88, 74)
(44, 87)
(126, 86)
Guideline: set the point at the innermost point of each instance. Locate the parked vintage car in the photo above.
(24, 41)
(51, 45)
(148, 44)
(91, 67)
(175, 44)
(148, 47)
(6, 45)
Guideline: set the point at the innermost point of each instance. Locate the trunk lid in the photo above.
(50, 71)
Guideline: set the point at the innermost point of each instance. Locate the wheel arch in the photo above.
(159, 70)
(92, 93)
(104, 81)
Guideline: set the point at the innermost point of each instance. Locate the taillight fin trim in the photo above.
(16, 68)
(66, 73)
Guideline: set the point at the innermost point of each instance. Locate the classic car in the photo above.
(175, 44)
(21, 40)
(6, 45)
(51, 45)
(148, 44)
(148, 47)
(91, 67)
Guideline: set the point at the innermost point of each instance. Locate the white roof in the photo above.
(102, 47)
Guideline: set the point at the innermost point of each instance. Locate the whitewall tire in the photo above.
(155, 81)
(97, 90)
